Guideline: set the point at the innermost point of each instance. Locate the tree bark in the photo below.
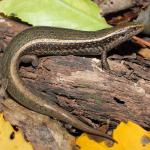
(90, 93)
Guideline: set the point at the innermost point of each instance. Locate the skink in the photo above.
(44, 41)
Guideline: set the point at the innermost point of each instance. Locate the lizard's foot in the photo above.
(118, 74)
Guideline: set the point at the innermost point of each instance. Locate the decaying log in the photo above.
(87, 91)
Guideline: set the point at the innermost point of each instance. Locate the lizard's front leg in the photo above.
(105, 65)
(104, 61)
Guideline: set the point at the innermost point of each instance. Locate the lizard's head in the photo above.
(119, 34)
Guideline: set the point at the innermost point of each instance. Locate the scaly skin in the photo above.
(44, 41)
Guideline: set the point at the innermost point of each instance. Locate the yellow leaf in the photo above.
(88, 144)
(130, 136)
(11, 139)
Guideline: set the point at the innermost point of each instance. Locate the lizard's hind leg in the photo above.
(33, 59)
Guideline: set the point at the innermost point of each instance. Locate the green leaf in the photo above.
(74, 14)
